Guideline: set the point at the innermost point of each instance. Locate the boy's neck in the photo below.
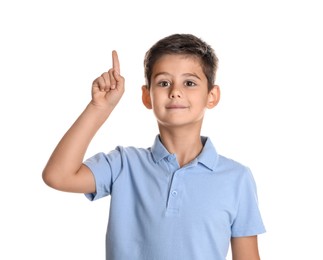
(187, 145)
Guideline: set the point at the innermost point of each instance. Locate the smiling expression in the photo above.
(179, 93)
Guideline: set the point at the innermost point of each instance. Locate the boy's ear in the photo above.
(213, 97)
(146, 97)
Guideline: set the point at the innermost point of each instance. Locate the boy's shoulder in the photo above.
(230, 162)
(223, 162)
(233, 169)
(132, 152)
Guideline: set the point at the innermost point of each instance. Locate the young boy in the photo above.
(178, 199)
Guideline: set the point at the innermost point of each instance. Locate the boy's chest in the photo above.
(193, 192)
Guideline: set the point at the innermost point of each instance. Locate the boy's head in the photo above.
(182, 44)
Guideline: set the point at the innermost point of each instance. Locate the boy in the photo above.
(178, 199)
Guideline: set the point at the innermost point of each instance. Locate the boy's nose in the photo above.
(175, 93)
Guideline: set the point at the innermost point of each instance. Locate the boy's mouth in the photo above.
(176, 106)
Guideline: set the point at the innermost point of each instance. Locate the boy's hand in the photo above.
(109, 87)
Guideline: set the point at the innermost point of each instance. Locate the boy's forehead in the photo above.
(177, 61)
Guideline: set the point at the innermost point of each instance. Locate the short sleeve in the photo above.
(105, 169)
(248, 220)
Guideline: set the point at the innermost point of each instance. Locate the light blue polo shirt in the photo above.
(159, 211)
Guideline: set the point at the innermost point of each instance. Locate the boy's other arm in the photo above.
(65, 169)
(245, 248)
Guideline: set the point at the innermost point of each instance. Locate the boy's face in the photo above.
(179, 93)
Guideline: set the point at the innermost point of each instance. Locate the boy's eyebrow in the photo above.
(185, 74)
(162, 73)
(191, 75)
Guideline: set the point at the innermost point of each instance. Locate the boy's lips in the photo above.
(176, 106)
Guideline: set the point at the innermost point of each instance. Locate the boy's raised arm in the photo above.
(65, 170)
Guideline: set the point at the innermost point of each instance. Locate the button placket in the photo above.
(174, 197)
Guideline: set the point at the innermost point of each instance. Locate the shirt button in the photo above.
(174, 193)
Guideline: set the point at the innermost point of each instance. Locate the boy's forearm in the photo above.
(68, 155)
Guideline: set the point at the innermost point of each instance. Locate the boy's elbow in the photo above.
(50, 179)
(67, 180)
(46, 178)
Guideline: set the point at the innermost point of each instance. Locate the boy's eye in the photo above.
(190, 84)
(164, 83)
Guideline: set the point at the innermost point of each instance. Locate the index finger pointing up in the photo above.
(115, 61)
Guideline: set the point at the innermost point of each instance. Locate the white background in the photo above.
(269, 116)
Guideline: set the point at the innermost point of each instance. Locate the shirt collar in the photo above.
(158, 150)
(208, 156)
